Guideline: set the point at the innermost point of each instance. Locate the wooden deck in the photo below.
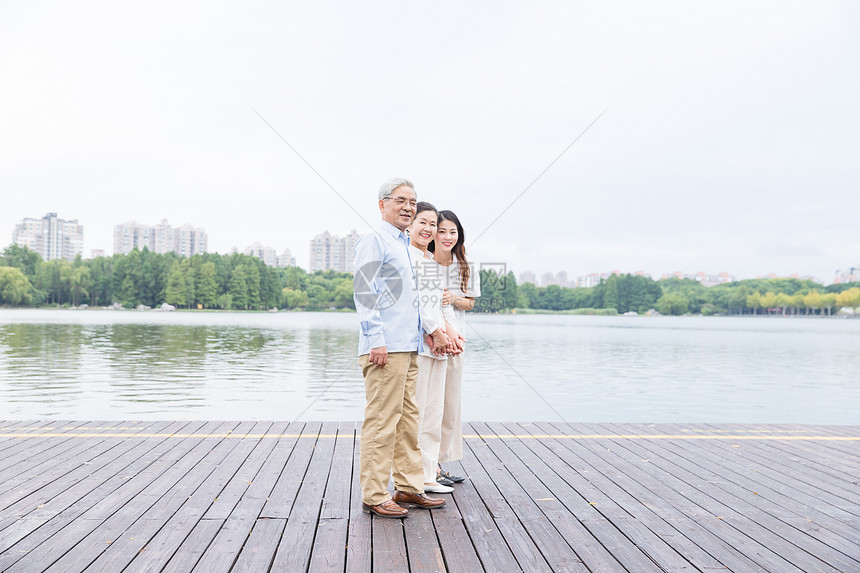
(277, 496)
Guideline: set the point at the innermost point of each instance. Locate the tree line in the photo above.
(240, 282)
(145, 278)
(634, 293)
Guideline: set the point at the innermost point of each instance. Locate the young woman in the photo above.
(463, 285)
(430, 386)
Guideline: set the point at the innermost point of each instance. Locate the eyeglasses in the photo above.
(401, 201)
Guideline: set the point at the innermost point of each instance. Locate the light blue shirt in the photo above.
(386, 292)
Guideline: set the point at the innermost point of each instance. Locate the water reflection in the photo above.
(98, 365)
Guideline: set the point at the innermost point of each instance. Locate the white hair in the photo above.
(389, 186)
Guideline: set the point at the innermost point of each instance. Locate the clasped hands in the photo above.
(447, 341)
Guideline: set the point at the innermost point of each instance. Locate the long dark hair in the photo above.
(459, 249)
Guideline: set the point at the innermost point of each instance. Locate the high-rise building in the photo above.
(189, 241)
(332, 253)
(51, 237)
(849, 275)
(163, 237)
(185, 240)
(130, 235)
(269, 256)
(528, 277)
(286, 259)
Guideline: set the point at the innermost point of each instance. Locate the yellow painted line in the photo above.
(467, 436)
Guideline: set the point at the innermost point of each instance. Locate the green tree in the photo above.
(293, 298)
(849, 298)
(828, 301)
(611, 295)
(812, 300)
(21, 258)
(673, 303)
(754, 302)
(238, 289)
(207, 286)
(342, 296)
(175, 291)
(14, 286)
(527, 295)
(252, 279)
(783, 301)
(80, 283)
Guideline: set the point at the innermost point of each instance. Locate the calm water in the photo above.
(103, 365)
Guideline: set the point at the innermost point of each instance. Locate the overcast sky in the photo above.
(730, 141)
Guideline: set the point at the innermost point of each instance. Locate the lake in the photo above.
(123, 365)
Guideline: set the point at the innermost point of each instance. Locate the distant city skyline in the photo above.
(332, 252)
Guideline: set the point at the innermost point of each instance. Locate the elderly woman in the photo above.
(430, 385)
(463, 285)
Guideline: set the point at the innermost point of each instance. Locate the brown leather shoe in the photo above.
(386, 509)
(417, 500)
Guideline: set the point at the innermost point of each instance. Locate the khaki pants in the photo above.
(430, 395)
(389, 434)
(451, 446)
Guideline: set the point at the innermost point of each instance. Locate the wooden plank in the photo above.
(359, 549)
(632, 520)
(487, 540)
(134, 539)
(280, 502)
(109, 513)
(191, 549)
(64, 473)
(521, 489)
(607, 547)
(697, 544)
(29, 475)
(225, 548)
(422, 546)
(17, 453)
(329, 551)
(786, 502)
(519, 542)
(262, 543)
(295, 550)
(52, 504)
(337, 492)
(736, 529)
(163, 487)
(724, 486)
(458, 548)
(161, 548)
(389, 545)
(30, 533)
(233, 492)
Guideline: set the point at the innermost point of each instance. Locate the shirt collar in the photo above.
(388, 228)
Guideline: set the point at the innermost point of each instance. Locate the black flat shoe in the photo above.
(442, 480)
(452, 478)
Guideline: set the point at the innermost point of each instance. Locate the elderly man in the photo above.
(386, 298)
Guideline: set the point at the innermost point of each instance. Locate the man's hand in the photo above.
(379, 356)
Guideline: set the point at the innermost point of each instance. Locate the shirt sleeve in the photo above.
(368, 251)
(473, 289)
(448, 313)
(429, 322)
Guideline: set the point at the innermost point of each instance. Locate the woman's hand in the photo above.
(446, 297)
(457, 339)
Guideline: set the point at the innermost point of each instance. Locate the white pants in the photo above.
(430, 397)
(451, 444)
